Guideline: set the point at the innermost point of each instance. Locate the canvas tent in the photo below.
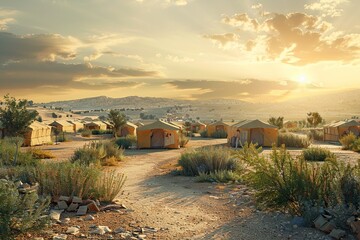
(109, 126)
(128, 129)
(159, 134)
(216, 127)
(253, 131)
(62, 126)
(76, 125)
(198, 127)
(334, 131)
(96, 125)
(37, 134)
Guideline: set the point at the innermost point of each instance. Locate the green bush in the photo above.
(101, 132)
(96, 153)
(86, 133)
(38, 153)
(293, 140)
(218, 176)
(19, 212)
(350, 142)
(126, 142)
(317, 154)
(10, 154)
(204, 134)
(219, 134)
(317, 135)
(208, 160)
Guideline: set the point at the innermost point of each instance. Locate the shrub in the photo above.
(38, 153)
(19, 212)
(10, 154)
(183, 140)
(293, 140)
(97, 153)
(317, 154)
(86, 133)
(101, 132)
(109, 185)
(126, 142)
(219, 176)
(208, 160)
(317, 135)
(350, 142)
(203, 134)
(219, 134)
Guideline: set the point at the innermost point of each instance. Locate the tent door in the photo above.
(158, 138)
(257, 136)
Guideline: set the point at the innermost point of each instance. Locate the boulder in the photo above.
(81, 211)
(62, 205)
(55, 214)
(73, 230)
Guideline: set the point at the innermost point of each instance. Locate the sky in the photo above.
(269, 50)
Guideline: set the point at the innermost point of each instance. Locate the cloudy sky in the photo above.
(267, 50)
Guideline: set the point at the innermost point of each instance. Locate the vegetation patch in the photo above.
(86, 133)
(219, 134)
(317, 154)
(350, 142)
(38, 153)
(126, 142)
(293, 140)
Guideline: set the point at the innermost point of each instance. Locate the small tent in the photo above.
(198, 127)
(96, 125)
(159, 134)
(76, 125)
(128, 129)
(37, 134)
(62, 126)
(216, 127)
(109, 126)
(334, 131)
(253, 131)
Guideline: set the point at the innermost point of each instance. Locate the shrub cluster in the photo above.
(126, 142)
(38, 153)
(204, 134)
(85, 133)
(293, 140)
(317, 154)
(219, 134)
(350, 142)
(101, 132)
(183, 140)
(317, 135)
(10, 154)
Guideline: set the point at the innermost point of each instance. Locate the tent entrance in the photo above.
(220, 128)
(257, 136)
(157, 138)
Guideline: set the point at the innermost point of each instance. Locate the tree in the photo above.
(314, 119)
(279, 122)
(118, 119)
(15, 117)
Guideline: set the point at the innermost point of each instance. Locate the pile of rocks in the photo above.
(76, 204)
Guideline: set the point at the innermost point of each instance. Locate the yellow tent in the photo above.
(334, 131)
(76, 125)
(96, 125)
(109, 126)
(37, 134)
(159, 134)
(62, 126)
(254, 131)
(128, 129)
(216, 127)
(198, 127)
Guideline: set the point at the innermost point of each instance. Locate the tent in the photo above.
(159, 134)
(216, 127)
(198, 127)
(109, 126)
(76, 125)
(37, 134)
(334, 131)
(96, 125)
(128, 129)
(254, 131)
(63, 126)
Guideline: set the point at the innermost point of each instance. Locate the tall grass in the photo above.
(350, 142)
(317, 154)
(10, 154)
(317, 135)
(109, 185)
(293, 140)
(183, 140)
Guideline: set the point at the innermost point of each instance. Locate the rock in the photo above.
(299, 221)
(65, 221)
(72, 207)
(328, 227)
(113, 206)
(101, 230)
(55, 214)
(62, 205)
(73, 230)
(142, 236)
(355, 226)
(81, 211)
(337, 233)
(38, 238)
(64, 198)
(89, 218)
(60, 237)
(320, 221)
(76, 200)
(119, 230)
(92, 207)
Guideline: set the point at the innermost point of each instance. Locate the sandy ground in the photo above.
(181, 208)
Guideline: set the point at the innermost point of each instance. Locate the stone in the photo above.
(38, 238)
(320, 221)
(72, 207)
(142, 236)
(328, 227)
(298, 221)
(65, 221)
(89, 218)
(60, 237)
(92, 207)
(76, 200)
(73, 230)
(64, 198)
(101, 230)
(355, 226)
(112, 207)
(62, 205)
(81, 211)
(119, 230)
(337, 233)
(55, 214)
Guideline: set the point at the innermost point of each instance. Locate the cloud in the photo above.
(6, 17)
(30, 75)
(178, 59)
(294, 38)
(327, 8)
(247, 88)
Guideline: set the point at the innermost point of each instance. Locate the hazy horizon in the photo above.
(255, 51)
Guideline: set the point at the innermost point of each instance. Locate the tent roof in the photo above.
(159, 124)
(347, 123)
(198, 123)
(131, 124)
(97, 123)
(38, 125)
(63, 123)
(108, 123)
(253, 124)
(218, 123)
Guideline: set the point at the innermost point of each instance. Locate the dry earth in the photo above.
(181, 208)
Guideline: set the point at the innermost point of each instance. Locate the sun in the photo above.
(302, 79)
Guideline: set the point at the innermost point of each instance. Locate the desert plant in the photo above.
(19, 212)
(183, 140)
(101, 132)
(314, 119)
(317, 135)
(293, 140)
(350, 142)
(279, 121)
(317, 154)
(10, 155)
(38, 153)
(219, 134)
(86, 133)
(204, 134)
(126, 142)
(109, 185)
(218, 176)
(118, 119)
